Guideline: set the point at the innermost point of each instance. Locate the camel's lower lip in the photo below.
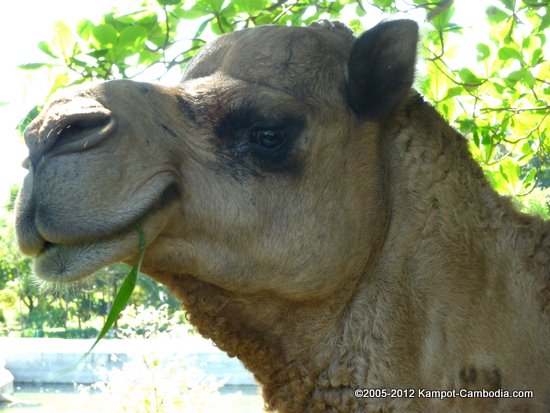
(68, 263)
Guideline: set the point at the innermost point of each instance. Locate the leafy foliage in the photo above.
(501, 102)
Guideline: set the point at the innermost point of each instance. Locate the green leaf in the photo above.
(133, 37)
(386, 5)
(78, 62)
(496, 15)
(63, 40)
(84, 29)
(545, 22)
(506, 53)
(483, 52)
(46, 49)
(147, 57)
(105, 34)
(521, 75)
(475, 137)
(147, 19)
(124, 293)
(527, 148)
(442, 16)
(250, 7)
(193, 13)
(29, 117)
(33, 66)
(202, 27)
(529, 178)
(536, 58)
(96, 54)
(454, 91)
(498, 87)
(468, 77)
(214, 5)
(168, 2)
(60, 82)
(509, 4)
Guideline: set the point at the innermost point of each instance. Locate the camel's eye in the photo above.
(259, 142)
(267, 138)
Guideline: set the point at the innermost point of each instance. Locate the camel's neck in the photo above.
(447, 221)
(295, 350)
(469, 285)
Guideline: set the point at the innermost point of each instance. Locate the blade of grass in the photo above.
(123, 294)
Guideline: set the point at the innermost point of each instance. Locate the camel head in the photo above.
(316, 217)
(258, 172)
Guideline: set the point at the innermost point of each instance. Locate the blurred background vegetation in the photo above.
(496, 93)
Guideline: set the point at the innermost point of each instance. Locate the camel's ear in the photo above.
(381, 68)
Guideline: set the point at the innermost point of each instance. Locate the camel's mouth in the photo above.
(65, 263)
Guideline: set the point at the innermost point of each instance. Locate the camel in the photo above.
(316, 217)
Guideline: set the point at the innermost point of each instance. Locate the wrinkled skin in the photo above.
(317, 219)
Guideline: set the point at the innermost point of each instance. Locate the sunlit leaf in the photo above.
(496, 15)
(59, 82)
(63, 39)
(249, 6)
(46, 49)
(468, 77)
(84, 29)
(105, 34)
(33, 66)
(29, 117)
(96, 54)
(193, 13)
(545, 22)
(509, 4)
(537, 57)
(506, 53)
(523, 75)
(483, 52)
(441, 17)
(214, 5)
(132, 36)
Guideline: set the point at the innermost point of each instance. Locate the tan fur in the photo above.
(380, 258)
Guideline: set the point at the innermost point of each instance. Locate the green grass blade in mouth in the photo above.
(123, 294)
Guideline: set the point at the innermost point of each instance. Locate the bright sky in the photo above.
(27, 22)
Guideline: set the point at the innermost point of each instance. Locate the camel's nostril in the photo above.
(69, 126)
(80, 126)
(79, 131)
